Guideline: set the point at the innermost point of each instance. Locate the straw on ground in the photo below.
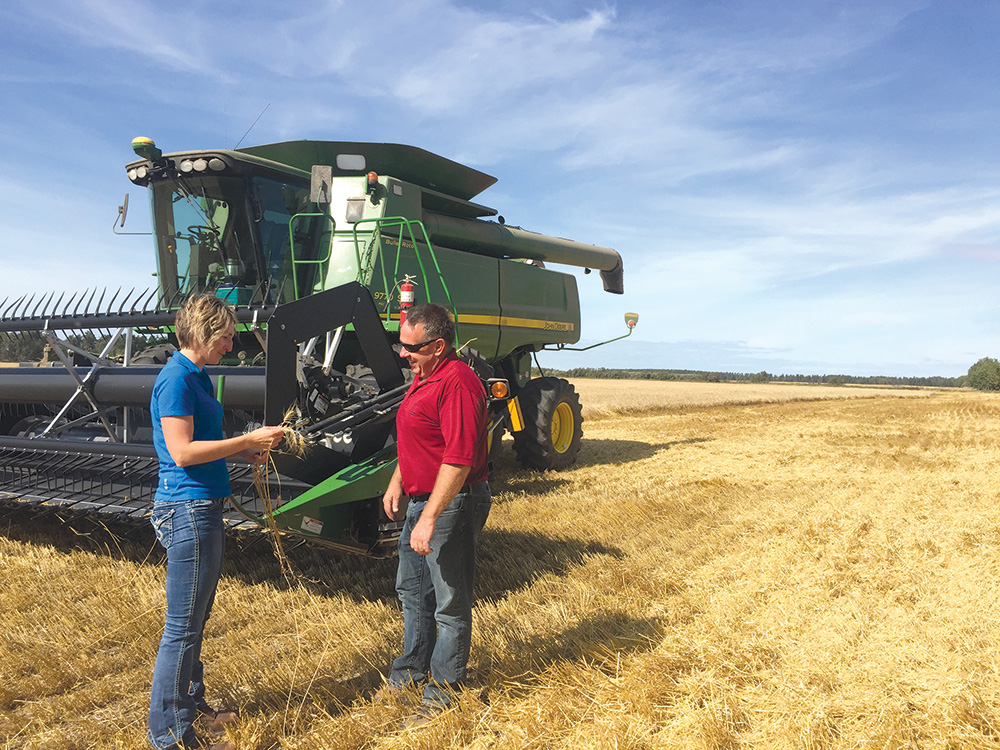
(768, 575)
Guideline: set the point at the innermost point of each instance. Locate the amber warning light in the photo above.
(499, 389)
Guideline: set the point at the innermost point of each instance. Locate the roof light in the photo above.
(351, 162)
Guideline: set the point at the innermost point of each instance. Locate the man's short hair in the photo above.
(436, 321)
(202, 320)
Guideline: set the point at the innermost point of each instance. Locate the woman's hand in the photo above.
(264, 439)
(178, 433)
(253, 456)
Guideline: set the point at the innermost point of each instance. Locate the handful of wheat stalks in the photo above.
(293, 443)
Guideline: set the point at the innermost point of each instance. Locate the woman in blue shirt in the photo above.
(187, 517)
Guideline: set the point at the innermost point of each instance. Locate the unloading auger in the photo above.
(310, 241)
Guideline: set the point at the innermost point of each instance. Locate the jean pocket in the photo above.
(457, 503)
(163, 526)
(215, 503)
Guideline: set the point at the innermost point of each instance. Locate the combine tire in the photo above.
(553, 424)
(154, 355)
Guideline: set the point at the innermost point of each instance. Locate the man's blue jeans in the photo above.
(436, 592)
(192, 533)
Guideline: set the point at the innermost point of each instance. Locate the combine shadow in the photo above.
(510, 560)
(131, 541)
(593, 452)
(250, 557)
(605, 452)
(601, 637)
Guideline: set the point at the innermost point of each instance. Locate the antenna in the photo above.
(251, 126)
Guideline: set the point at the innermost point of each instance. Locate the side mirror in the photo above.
(122, 213)
(119, 221)
(320, 185)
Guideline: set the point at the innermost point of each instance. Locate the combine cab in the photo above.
(317, 245)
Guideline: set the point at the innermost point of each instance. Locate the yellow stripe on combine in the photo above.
(497, 320)
(516, 418)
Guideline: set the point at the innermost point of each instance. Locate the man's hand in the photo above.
(420, 537)
(449, 481)
(393, 496)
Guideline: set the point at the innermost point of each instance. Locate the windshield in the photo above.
(230, 235)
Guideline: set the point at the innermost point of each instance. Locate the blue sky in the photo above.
(794, 186)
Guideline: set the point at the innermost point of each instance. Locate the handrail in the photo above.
(307, 261)
(406, 226)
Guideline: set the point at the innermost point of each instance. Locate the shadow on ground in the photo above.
(602, 636)
(508, 560)
(607, 452)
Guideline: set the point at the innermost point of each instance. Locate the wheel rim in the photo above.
(562, 428)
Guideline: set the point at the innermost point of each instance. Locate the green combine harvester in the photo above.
(318, 245)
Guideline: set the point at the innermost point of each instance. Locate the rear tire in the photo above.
(553, 424)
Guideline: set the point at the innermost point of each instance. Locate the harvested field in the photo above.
(624, 397)
(794, 574)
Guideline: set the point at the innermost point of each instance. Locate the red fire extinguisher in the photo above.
(406, 297)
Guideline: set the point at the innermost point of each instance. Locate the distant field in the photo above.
(609, 397)
(772, 575)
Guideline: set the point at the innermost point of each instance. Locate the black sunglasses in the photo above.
(414, 348)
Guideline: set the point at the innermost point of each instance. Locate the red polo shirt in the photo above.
(442, 420)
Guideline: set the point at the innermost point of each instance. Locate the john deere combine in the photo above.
(318, 245)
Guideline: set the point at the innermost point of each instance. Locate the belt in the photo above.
(426, 496)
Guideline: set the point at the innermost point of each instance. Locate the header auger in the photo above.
(319, 246)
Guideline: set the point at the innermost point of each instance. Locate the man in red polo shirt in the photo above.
(442, 470)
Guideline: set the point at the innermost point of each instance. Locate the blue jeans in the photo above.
(436, 594)
(193, 535)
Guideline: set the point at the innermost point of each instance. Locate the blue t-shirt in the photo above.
(183, 390)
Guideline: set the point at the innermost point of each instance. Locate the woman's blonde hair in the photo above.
(202, 320)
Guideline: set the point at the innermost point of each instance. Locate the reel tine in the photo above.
(86, 307)
(58, 302)
(13, 305)
(41, 303)
(111, 304)
(78, 302)
(69, 302)
(126, 300)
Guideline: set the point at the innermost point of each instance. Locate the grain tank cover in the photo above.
(408, 163)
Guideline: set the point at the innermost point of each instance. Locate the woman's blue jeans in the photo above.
(193, 535)
(436, 592)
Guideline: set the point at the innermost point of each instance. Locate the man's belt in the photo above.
(426, 496)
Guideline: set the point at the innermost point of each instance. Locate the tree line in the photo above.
(708, 376)
(24, 347)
